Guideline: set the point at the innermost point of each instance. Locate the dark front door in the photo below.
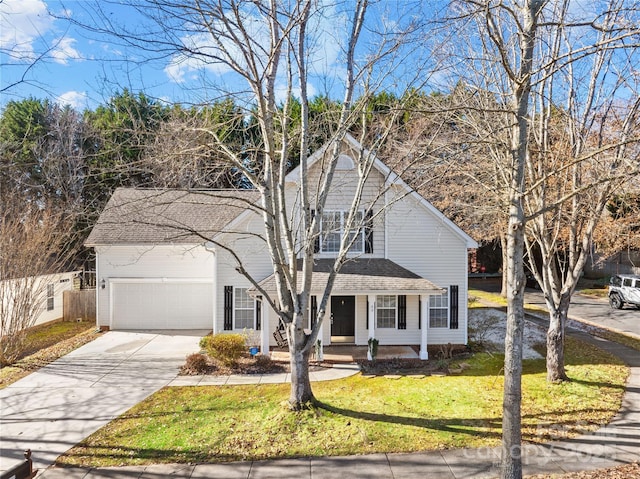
(343, 313)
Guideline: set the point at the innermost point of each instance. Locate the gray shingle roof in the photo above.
(358, 275)
(151, 216)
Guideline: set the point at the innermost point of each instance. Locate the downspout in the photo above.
(98, 287)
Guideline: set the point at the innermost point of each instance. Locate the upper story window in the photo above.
(332, 228)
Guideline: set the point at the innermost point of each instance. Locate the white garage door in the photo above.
(162, 305)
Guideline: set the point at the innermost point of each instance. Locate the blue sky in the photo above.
(71, 66)
(83, 68)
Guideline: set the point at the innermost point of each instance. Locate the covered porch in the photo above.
(372, 299)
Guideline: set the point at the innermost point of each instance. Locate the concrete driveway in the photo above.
(56, 407)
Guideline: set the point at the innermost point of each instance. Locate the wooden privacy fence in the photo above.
(79, 304)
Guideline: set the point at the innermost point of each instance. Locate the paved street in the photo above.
(588, 308)
(597, 311)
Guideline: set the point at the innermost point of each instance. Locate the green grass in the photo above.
(494, 299)
(46, 343)
(356, 415)
(599, 292)
(47, 335)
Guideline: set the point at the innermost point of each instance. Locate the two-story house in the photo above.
(167, 259)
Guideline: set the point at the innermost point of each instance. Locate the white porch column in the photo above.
(264, 331)
(371, 300)
(210, 247)
(424, 304)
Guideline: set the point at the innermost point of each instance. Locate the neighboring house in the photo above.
(167, 259)
(38, 298)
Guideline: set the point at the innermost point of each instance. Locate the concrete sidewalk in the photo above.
(336, 371)
(612, 445)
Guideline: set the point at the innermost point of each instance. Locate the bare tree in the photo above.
(32, 245)
(269, 48)
(584, 148)
(554, 162)
(184, 153)
(502, 56)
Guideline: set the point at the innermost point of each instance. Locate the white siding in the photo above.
(389, 336)
(252, 251)
(340, 198)
(408, 233)
(61, 282)
(37, 287)
(424, 244)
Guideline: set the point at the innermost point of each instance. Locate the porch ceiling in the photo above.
(364, 276)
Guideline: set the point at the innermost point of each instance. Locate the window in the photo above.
(626, 282)
(333, 227)
(50, 297)
(438, 311)
(243, 309)
(386, 311)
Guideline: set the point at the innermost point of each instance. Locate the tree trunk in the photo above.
(555, 342)
(301, 396)
(512, 398)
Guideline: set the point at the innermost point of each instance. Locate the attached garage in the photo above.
(155, 266)
(161, 304)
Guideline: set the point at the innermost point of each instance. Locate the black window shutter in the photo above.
(259, 313)
(368, 232)
(419, 313)
(316, 242)
(367, 312)
(314, 311)
(453, 307)
(402, 312)
(228, 308)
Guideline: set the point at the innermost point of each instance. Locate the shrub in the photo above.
(204, 342)
(196, 363)
(226, 348)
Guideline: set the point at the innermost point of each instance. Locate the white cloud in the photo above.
(25, 29)
(23, 22)
(181, 64)
(75, 99)
(63, 51)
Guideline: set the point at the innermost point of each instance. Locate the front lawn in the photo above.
(357, 415)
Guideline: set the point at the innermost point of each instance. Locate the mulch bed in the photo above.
(245, 365)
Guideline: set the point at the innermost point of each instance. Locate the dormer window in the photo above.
(332, 228)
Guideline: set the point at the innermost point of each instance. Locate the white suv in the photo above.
(624, 288)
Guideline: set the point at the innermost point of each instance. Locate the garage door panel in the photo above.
(166, 305)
